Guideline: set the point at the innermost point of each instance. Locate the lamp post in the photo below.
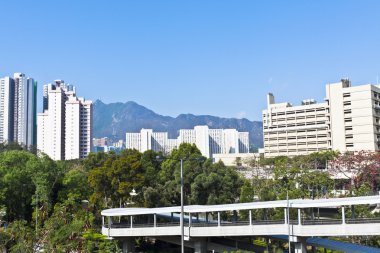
(288, 218)
(288, 207)
(181, 219)
(181, 222)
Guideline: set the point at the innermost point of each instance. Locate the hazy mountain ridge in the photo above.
(115, 119)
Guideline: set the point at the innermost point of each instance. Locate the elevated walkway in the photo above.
(228, 220)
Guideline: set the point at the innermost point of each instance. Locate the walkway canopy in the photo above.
(294, 203)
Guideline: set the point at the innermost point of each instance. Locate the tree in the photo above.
(358, 167)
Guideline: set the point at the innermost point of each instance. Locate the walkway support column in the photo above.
(128, 245)
(299, 217)
(286, 215)
(300, 245)
(343, 216)
(200, 246)
(250, 217)
(155, 220)
(218, 219)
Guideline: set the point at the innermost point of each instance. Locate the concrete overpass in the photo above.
(237, 221)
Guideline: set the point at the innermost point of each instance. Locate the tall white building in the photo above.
(18, 109)
(65, 126)
(348, 120)
(354, 116)
(208, 141)
(6, 109)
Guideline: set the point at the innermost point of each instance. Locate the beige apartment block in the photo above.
(348, 120)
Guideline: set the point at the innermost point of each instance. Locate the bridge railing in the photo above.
(322, 222)
(363, 220)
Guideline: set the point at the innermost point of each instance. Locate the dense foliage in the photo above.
(55, 205)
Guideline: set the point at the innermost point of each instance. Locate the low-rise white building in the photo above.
(208, 141)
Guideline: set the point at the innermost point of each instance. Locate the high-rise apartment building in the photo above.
(348, 120)
(65, 125)
(208, 141)
(6, 109)
(18, 109)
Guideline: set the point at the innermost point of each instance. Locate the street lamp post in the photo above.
(182, 215)
(288, 208)
(181, 222)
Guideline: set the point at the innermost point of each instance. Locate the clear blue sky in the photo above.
(201, 57)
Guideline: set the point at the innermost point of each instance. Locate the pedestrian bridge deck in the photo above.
(155, 222)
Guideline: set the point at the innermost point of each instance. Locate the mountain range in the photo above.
(115, 119)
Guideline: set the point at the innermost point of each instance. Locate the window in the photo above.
(346, 95)
(347, 111)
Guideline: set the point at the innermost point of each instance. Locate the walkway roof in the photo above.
(293, 203)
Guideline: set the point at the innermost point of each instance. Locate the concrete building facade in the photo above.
(65, 125)
(348, 120)
(208, 141)
(6, 109)
(18, 109)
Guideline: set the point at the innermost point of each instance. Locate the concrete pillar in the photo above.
(250, 217)
(286, 215)
(300, 245)
(218, 219)
(299, 217)
(343, 216)
(200, 246)
(131, 221)
(128, 245)
(155, 220)
(109, 221)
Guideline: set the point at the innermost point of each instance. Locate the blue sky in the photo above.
(202, 57)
